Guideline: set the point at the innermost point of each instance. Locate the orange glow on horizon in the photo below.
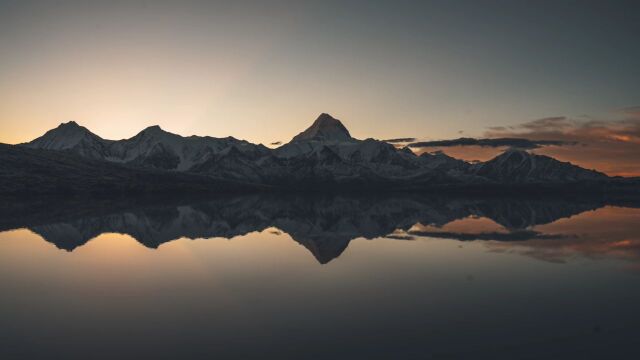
(586, 157)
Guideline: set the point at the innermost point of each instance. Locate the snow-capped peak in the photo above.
(154, 130)
(155, 134)
(517, 165)
(65, 136)
(325, 128)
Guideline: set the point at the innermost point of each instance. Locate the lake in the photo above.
(319, 277)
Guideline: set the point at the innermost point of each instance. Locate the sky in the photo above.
(264, 70)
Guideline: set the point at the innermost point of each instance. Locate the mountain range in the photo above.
(325, 224)
(70, 158)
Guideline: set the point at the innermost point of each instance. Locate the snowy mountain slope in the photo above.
(155, 147)
(440, 160)
(151, 148)
(327, 150)
(74, 138)
(519, 166)
(32, 172)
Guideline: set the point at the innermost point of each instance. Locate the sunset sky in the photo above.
(264, 70)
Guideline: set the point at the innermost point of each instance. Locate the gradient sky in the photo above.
(263, 70)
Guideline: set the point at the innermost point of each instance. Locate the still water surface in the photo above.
(330, 277)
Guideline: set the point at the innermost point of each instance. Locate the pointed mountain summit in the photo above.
(153, 129)
(325, 128)
(71, 136)
(69, 125)
(156, 133)
(65, 136)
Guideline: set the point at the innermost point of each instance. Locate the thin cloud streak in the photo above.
(400, 140)
(494, 142)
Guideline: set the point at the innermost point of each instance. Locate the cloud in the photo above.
(610, 145)
(522, 235)
(400, 140)
(555, 123)
(625, 130)
(492, 142)
(564, 129)
(400, 237)
(633, 111)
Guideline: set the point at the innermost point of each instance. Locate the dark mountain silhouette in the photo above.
(325, 128)
(25, 171)
(324, 224)
(323, 157)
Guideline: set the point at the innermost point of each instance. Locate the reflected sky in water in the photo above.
(388, 278)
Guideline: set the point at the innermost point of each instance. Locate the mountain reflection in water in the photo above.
(325, 224)
(440, 277)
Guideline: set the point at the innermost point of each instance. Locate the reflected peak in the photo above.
(325, 225)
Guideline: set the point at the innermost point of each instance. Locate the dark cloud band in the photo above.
(400, 140)
(522, 235)
(495, 142)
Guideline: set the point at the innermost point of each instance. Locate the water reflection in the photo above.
(548, 229)
(494, 291)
